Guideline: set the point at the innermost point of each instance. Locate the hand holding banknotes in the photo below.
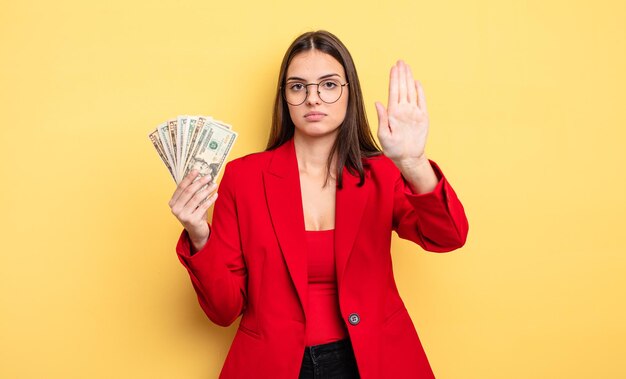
(194, 150)
(190, 203)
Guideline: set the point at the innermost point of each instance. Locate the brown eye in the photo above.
(330, 84)
(296, 86)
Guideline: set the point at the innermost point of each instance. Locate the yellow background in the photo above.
(528, 122)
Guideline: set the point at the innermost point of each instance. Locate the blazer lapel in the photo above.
(284, 199)
(349, 210)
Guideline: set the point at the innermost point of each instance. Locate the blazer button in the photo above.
(354, 318)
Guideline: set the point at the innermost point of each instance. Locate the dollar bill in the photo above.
(214, 149)
(154, 137)
(181, 125)
(194, 136)
(184, 138)
(163, 134)
(188, 142)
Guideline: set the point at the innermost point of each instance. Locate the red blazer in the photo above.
(254, 264)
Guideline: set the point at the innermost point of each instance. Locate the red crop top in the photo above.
(324, 322)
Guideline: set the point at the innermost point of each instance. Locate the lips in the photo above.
(314, 116)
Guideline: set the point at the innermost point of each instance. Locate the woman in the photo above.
(299, 244)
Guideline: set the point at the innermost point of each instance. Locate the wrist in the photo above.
(197, 245)
(198, 239)
(412, 163)
(419, 174)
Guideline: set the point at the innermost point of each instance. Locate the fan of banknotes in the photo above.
(193, 142)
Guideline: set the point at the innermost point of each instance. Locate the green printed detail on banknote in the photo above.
(193, 142)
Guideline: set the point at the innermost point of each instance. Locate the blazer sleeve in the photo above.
(435, 220)
(218, 271)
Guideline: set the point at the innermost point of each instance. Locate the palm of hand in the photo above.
(403, 126)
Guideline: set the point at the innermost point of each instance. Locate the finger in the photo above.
(182, 185)
(393, 86)
(383, 121)
(410, 83)
(421, 97)
(190, 192)
(196, 201)
(402, 95)
(204, 207)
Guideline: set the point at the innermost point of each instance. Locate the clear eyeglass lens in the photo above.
(329, 91)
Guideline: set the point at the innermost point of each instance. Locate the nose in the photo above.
(313, 96)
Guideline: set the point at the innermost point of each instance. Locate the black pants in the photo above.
(333, 360)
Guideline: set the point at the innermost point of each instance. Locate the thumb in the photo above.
(383, 122)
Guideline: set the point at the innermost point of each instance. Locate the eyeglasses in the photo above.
(328, 90)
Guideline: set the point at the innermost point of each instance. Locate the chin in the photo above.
(314, 130)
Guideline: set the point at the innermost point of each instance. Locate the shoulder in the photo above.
(243, 173)
(380, 166)
(252, 162)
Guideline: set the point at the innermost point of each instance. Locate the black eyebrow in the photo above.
(320, 78)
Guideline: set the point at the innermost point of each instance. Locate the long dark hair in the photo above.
(355, 139)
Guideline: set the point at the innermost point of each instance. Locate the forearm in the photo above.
(435, 220)
(419, 174)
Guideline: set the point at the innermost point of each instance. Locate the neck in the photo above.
(313, 152)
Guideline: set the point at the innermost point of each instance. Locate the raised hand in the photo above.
(403, 126)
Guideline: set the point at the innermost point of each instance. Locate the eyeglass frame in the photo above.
(306, 88)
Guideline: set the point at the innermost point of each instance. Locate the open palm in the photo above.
(403, 126)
